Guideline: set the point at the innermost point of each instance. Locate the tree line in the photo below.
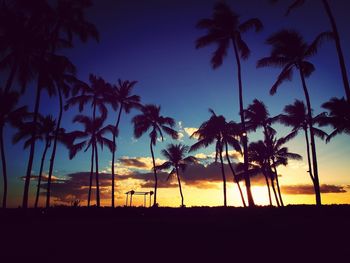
(33, 35)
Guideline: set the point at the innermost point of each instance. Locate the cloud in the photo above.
(139, 163)
(190, 130)
(44, 178)
(180, 136)
(309, 189)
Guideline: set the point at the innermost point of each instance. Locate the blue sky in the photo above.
(153, 42)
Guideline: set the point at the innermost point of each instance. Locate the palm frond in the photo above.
(286, 74)
(253, 23)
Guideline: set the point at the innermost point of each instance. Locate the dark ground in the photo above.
(290, 234)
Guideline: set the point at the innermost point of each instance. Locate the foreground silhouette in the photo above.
(150, 119)
(223, 28)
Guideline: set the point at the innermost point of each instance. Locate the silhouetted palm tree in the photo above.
(61, 78)
(68, 19)
(91, 136)
(122, 93)
(223, 28)
(45, 131)
(150, 119)
(290, 51)
(279, 154)
(297, 3)
(338, 116)
(217, 130)
(231, 136)
(175, 155)
(258, 116)
(295, 115)
(9, 114)
(260, 163)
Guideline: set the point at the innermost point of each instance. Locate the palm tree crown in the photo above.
(176, 158)
(150, 119)
(222, 28)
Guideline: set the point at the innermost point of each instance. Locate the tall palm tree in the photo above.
(279, 154)
(175, 155)
(150, 119)
(45, 131)
(122, 93)
(60, 76)
(217, 130)
(224, 28)
(295, 116)
(231, 136)
(26, 54)
(290, 51)
(92, 136)
(258, 116)
(338, 116)
(260, 163)
(67, 18)
(327, 7)
(9, 114)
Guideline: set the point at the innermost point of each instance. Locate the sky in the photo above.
(152, 42)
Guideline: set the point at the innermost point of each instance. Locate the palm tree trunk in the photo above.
(179, 181)
(155, 177)
(97, 178)
(223, 177)
(32, 148)
(339, 49)
(244, 132)
(269, 145)
(268, 187)
(308, 154)
(91, 173)
(53, 154)
(274, 192)
(114, 150)
(47, 145)
(4, 169)
(234, 175)
(277, 182)
(11, 78)
(312, 139)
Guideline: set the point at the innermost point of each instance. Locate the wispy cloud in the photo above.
(309, 189)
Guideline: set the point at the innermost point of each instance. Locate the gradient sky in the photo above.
(153, 42)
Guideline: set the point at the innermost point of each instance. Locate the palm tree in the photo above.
(326, 6)
(9, 114)
(338, 116)
(295, 116)
(290, 51)
(260, 163)
(222, 28)
(231, 135)
(217, 130)
(28, 50)
(123, 95)
(97, 94)
(45, 131)
(60, 76)
(175, 155)
(91, 136)
(258, 116)
(279, 155)
(150, 119)
(67, 18)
